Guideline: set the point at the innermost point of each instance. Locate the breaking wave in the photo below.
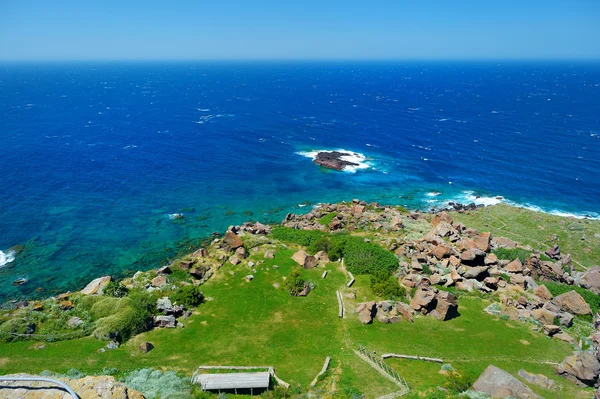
(6, 257)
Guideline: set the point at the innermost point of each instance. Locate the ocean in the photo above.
(98, 158)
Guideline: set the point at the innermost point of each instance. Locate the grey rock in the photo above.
(500, 384)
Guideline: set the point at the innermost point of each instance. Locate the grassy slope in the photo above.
(253, 323)
(537, 230)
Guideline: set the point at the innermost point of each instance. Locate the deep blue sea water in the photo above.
(94, 157)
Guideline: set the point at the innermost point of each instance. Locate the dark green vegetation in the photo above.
(385, 286)
(512, 254)
(188, 295)
(295, 282)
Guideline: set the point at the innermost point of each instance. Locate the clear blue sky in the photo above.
(290, 29)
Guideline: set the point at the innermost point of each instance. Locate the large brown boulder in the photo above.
(591, 279)
(441, 251)
(300, 257)
(544, 316)
(232, 241)
(446, 307)
(514, 267)
(366, 312)
(499, 384)
(572, 302)
(543, 292)
(92, 387)
(423, 299)
(581, 368)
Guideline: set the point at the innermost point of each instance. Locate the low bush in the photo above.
(301, 237)
(154, 384)
(365, 258)
(512, 254)
(188, 295)
(295, 282)
(325, 220)
(10, 330)
(559, 288)
(458, 382)
(115, 289)
(386, 286)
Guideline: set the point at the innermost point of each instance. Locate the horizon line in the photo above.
(257, 60)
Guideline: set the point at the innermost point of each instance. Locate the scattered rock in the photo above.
(159, 281)
(500, 384)
(165, 321)
(232, 241)
(164, 270)
(543, 292)
(249, 277)
(145, 347)
(96, 286)
(514, 267)
(572, 302)
(582, 368)
(241, 253)
(112, 345)
(538, 379)
(74, 322)
(269, 255)
(591, 279)
(198, 272)
(366, 312)
(234, 260)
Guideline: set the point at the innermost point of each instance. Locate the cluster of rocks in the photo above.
(583, 367)
(429, 300)
(384, 312)
(310, 261)
(349, 216)
(170, 313)
(333, 160)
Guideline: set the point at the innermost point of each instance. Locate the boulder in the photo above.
(232, 241)
(514, 267)
(476, 272)
(504, 242)
(299, 257)
(538, 379)
(74, 322)
(490, 259)
(234, 260)
(423, 299)
(145, 347)
(582, 368)
(165, 321)
(553, 252)
(446, 307)
(482, 242)
(164, 305)
(159, 281)
(91, 387)
(544, 316)
(405, 310)
(96, 286)
(572, 302)
(441, 217)
(441, 251)
(591, 279)
(310, 262)
(543, 292)
(366, 311)
(241, 253)
(499, 384)
(269, 254)
(197, 272)
(164, 270)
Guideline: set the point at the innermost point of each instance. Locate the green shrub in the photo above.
(108, 306)
(154, 384)
(365, 258)
(386, 286)
(301, 237)
(129, 316)
(189, 295)
(9, 328)
(115, 289)
(427, 270)
(559, 288)
(505, 277)
(295, 282)
(512, 254)
(325, 220)
(459, 382)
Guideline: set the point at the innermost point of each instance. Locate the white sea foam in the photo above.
(468, 197)
(359, 159)
(433, 194)
(175, 216)
(6, 257)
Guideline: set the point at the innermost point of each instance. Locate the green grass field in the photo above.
(256, 323)
(579, 237)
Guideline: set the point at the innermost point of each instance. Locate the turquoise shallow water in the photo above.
(96, 156)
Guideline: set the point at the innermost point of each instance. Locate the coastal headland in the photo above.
(474, 288)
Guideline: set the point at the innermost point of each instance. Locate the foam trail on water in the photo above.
(6, 258)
